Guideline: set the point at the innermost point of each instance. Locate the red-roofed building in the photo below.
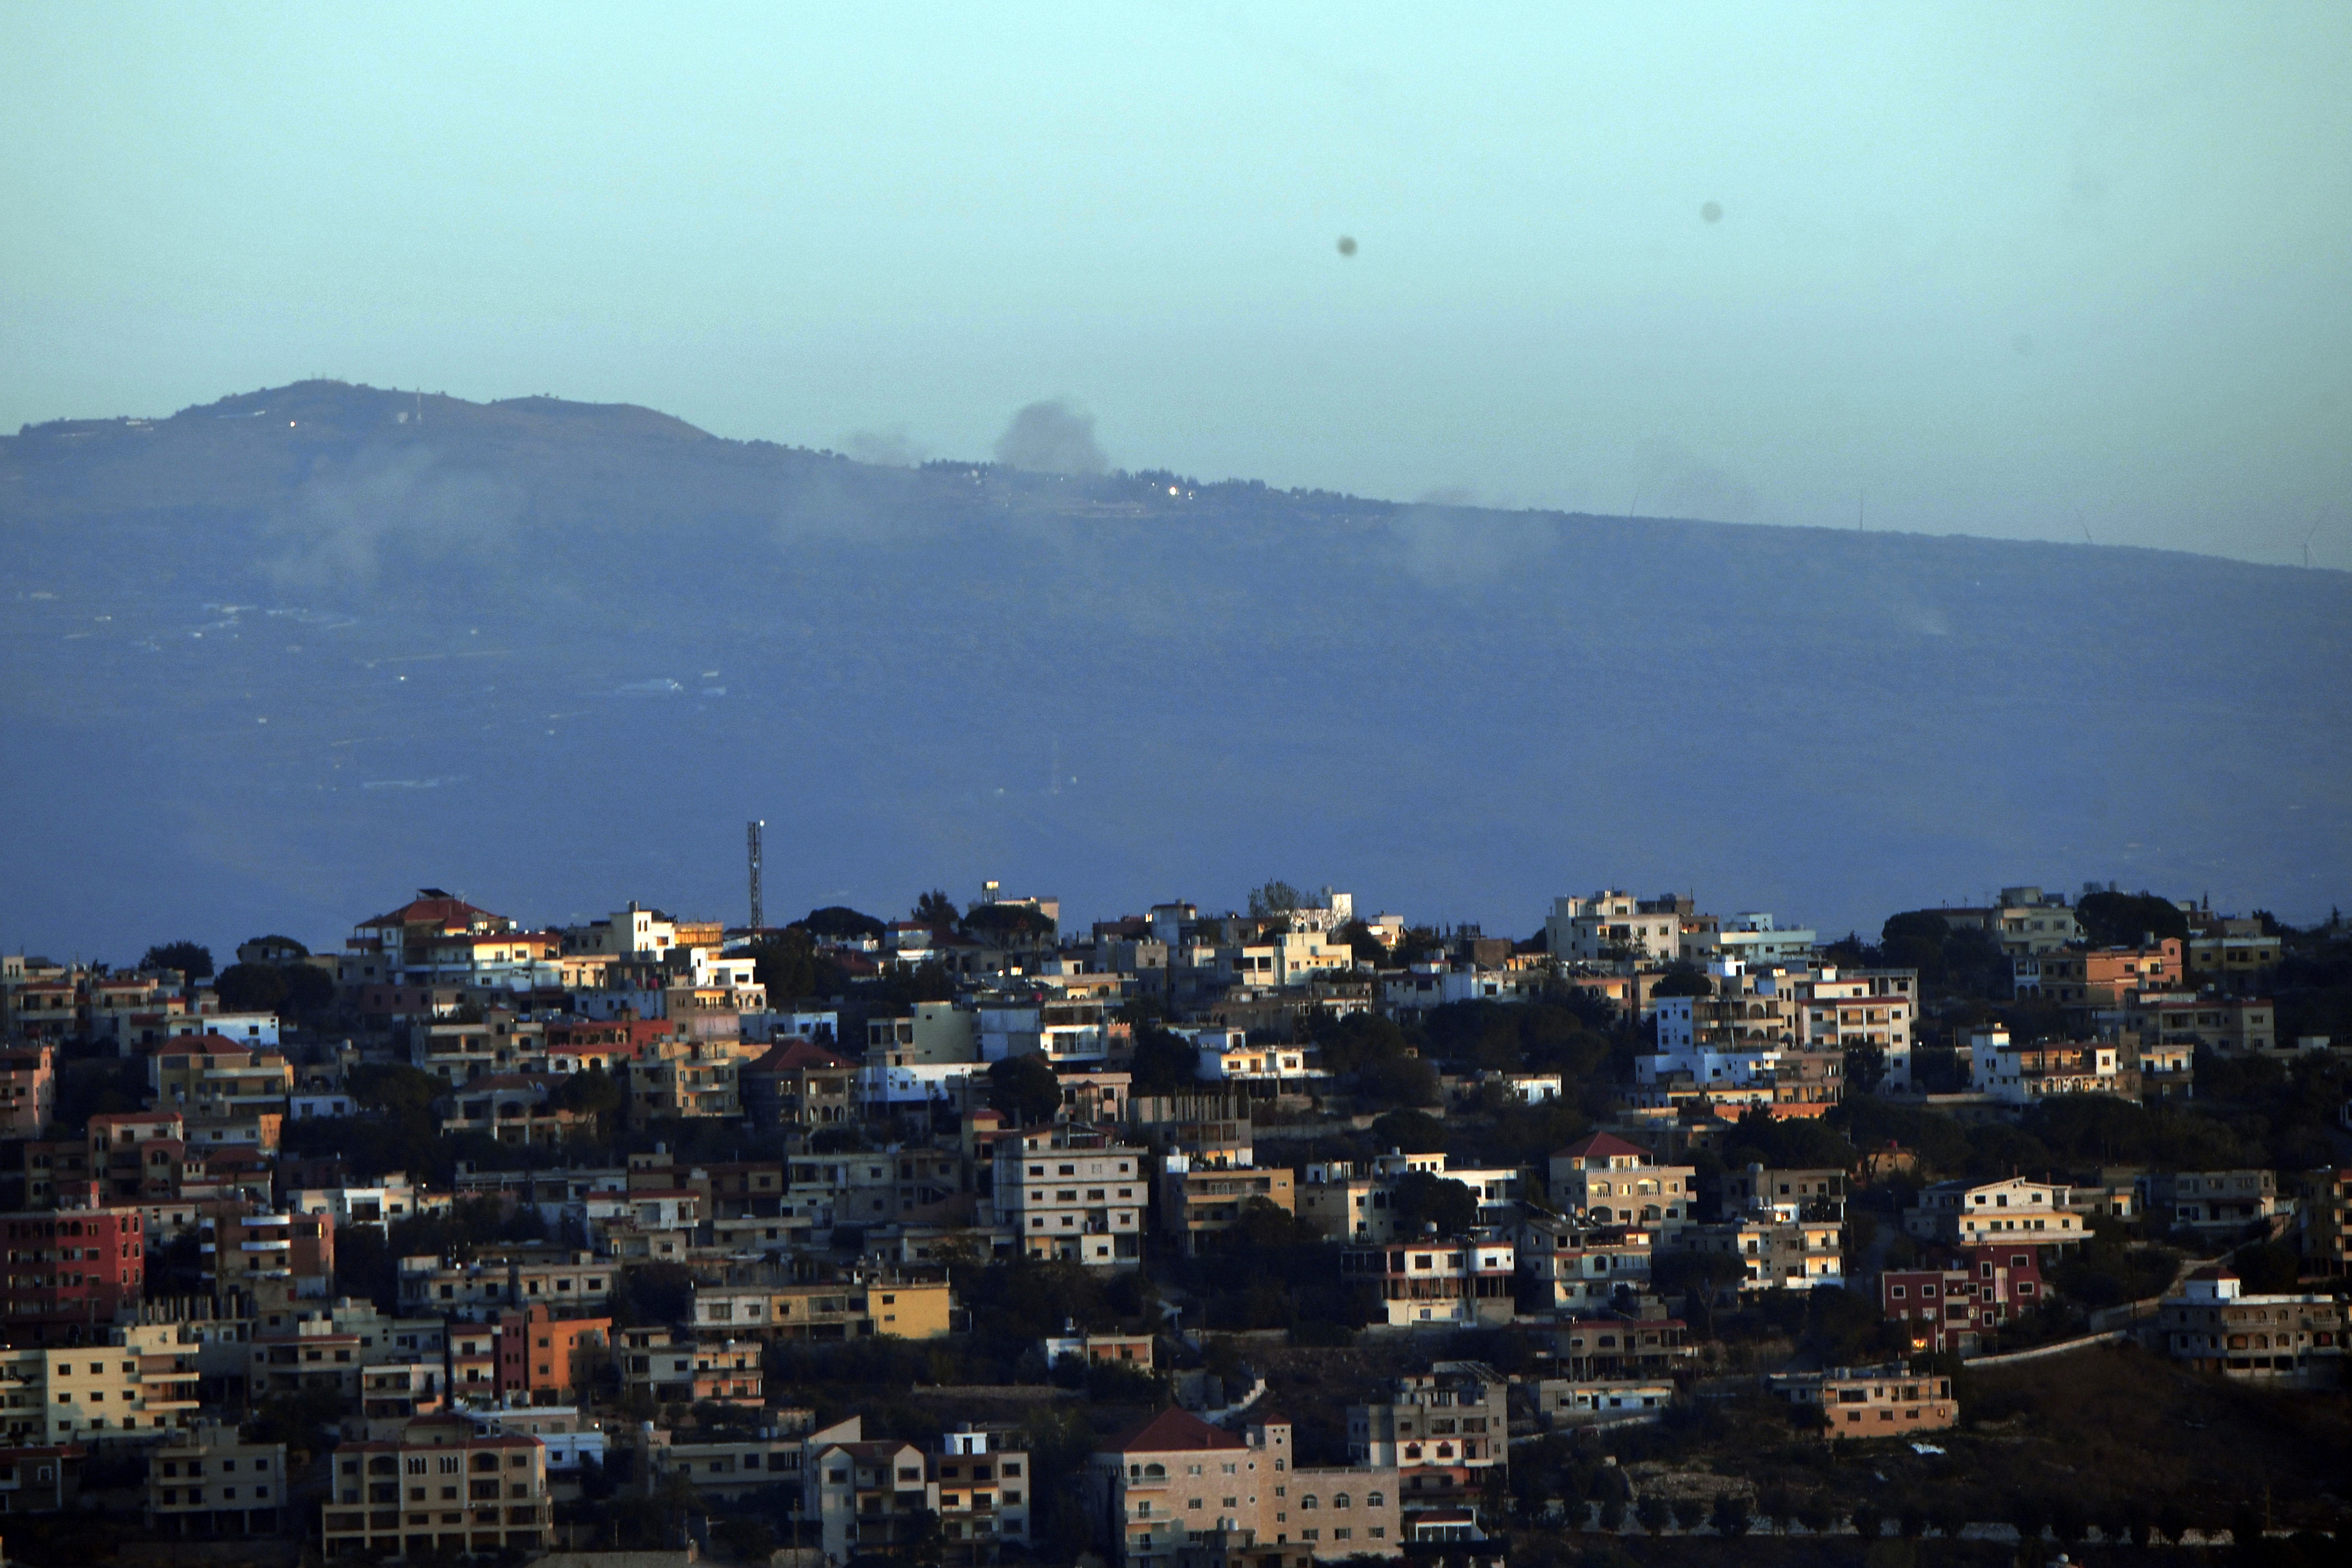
(1609, 1180)
(797, 1084)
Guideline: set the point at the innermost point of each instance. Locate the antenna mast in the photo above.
(751, 843)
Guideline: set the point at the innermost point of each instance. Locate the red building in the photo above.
(1956, 1306)
(69, 1272)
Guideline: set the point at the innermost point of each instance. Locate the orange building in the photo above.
(2110, 976)
(539, 1352)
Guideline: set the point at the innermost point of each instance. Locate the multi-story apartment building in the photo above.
(886, 1306)
(865, 1496)
(686, 1078)
(126, 1378)
(1777, 1255)
(2231, 951)
(984, 1480)
(1966, 1214)
(2324, 1210)
(2086, 979)
(1073, 1194)
(798, 1086)
(439, 1486)
(2224, 1024)
(70, 1272)
(208, 1075)
(2021, 1074)
(1161, 1490)
(1957, 1307)
(1611, 923)
(28, 1089)
(1441, 1431)
(1858, 1010)
(1568, 1266)
(207, 1483)
(245, 1252)
(2213, 1326)
(1566, 1401)
(1604, 1180)
(1208, 1201)
(1863, 1403)
(513, 1277)
(1809, 1195)
(543, 1358)
(2213, 1203)
(1432, 1282)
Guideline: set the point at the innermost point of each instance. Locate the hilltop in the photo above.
(309, 645)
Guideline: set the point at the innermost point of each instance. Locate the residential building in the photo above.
(1956, 1306)
(2233, 952)
(1073, 1194)
(1777, 1255)
(1863, 1403)
(1610, 924)
(1750, 938)
(1965, 1214)
(207, 1483)
(2213, 1326)
(1438, 1283)
(542, 1359)
(1568, 1265)
(1441, 1431)
(1567, 1402)
(1605, 1180)
(798, 1086)
(2216, 1205)
(244, 1251)
(439, 1486)
(883, 1305)
(28, 1089)
(1166, 1487)
(1210, 1201)
(71, 1272)
(1809, 1195)
(984, 1480)
(2325, 1205)
(864, 1496)
(2021, 1074)
(2086, 979)
(2225, 1024)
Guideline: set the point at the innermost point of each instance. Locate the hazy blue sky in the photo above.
(2019, 270)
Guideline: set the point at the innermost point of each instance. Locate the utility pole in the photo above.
(751, 843)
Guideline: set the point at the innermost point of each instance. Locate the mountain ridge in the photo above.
(562, 649)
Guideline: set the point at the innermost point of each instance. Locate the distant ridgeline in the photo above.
(267, 656)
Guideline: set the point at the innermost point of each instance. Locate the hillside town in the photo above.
(1292, 1233)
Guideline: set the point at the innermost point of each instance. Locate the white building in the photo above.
(1074, 1195)
(1611, 922)
(1753, 940)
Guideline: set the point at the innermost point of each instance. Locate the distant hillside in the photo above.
(282, 658)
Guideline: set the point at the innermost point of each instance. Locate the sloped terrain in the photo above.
(277, 660)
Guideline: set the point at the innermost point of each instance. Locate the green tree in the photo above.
(1730, 1517)
(1689, 1513)
(937, 911)
(1164, 1063)
(1423, 1198)
(789, 965)
(251, 988)
(1682, 980)
(1008, 924)
(193, 959)
(2121, 920)
(1276, 898)
(839, 923)
(1654, 1513)
(592, 1093)
(1025, 1088)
